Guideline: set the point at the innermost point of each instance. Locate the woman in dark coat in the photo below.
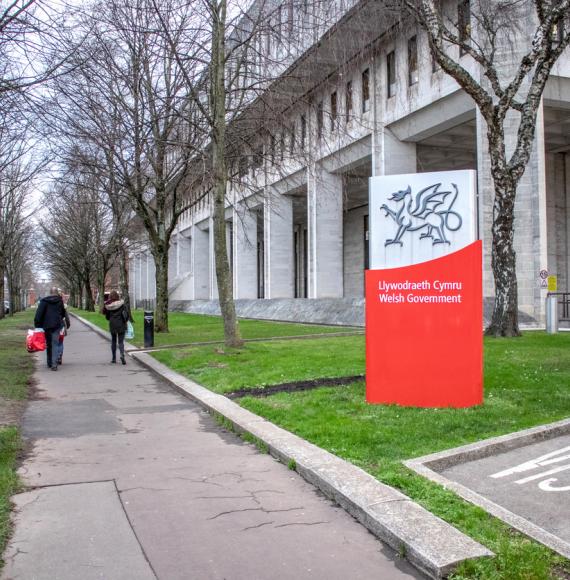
(117, 314)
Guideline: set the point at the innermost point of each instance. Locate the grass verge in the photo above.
(187, 328)
(16, 368)
(526, 384)
(259, 364)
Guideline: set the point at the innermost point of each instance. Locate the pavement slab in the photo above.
(89, 520)
(127, 474)
(428, 542)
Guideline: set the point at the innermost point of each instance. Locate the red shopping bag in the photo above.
(36, 340)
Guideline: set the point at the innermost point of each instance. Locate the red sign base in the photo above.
(424, 337)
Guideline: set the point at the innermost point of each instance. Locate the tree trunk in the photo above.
(504, 321)
(2, 313)
(124, 276)
(74, 295)
(100, 293)
(218, 104)
(161, 310)
(11, 292)
(78, 295)
(503, 261)
(89, 303)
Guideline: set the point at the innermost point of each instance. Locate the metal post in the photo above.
(551, 314)
(148, 328)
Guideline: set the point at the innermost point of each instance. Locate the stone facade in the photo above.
(298, 231)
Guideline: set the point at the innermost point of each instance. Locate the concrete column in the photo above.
(245, 252)
(179, 239)
(391, 156)
(324, 224)
(144, 276)
(558, 192)
(132, 279)
(566, 247)
(151, 280)
(139, 277)
(173, 260)
(184, 255)
(213, 283)
(200, 264)
(279, 258)
(531, 240)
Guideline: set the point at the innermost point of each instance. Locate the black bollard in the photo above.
(148, 328)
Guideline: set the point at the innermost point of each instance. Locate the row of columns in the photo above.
(193, 250)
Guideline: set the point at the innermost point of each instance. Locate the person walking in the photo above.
(118, 315)
(50, 315)
(62, 333)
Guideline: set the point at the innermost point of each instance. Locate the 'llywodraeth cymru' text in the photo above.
(445, 292)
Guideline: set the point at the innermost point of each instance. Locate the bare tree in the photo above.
(31, 34)
(228, 81)
(78, 243)
(15, 238)
(18, 169)
(484, 30)
(128, 101)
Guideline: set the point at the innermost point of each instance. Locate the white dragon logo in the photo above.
(425, 211)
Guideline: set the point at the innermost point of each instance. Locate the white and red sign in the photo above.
(424, 291)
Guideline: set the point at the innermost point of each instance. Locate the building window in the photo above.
(366, 90)
(334, 110)
(463, 23)
(348, 100)
(391, 73)
(303, 131)
(413, 60)
(319, 119)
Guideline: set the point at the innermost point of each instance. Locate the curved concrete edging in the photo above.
(430, 544)
(430, 466)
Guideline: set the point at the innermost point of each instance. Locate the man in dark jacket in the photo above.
(50, 316)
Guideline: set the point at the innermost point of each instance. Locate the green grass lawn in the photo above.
(16, 364)
(16, 368)
(267, 363)
(527, 383)
(187, 328)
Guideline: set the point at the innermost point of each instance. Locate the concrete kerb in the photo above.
(429, 466)
(429, 543)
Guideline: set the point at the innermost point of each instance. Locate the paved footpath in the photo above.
(130, 480)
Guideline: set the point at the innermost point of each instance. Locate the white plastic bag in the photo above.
(130, 334)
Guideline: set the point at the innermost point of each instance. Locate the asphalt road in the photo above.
(532, 482)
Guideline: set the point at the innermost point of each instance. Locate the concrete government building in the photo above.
(361, 101)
